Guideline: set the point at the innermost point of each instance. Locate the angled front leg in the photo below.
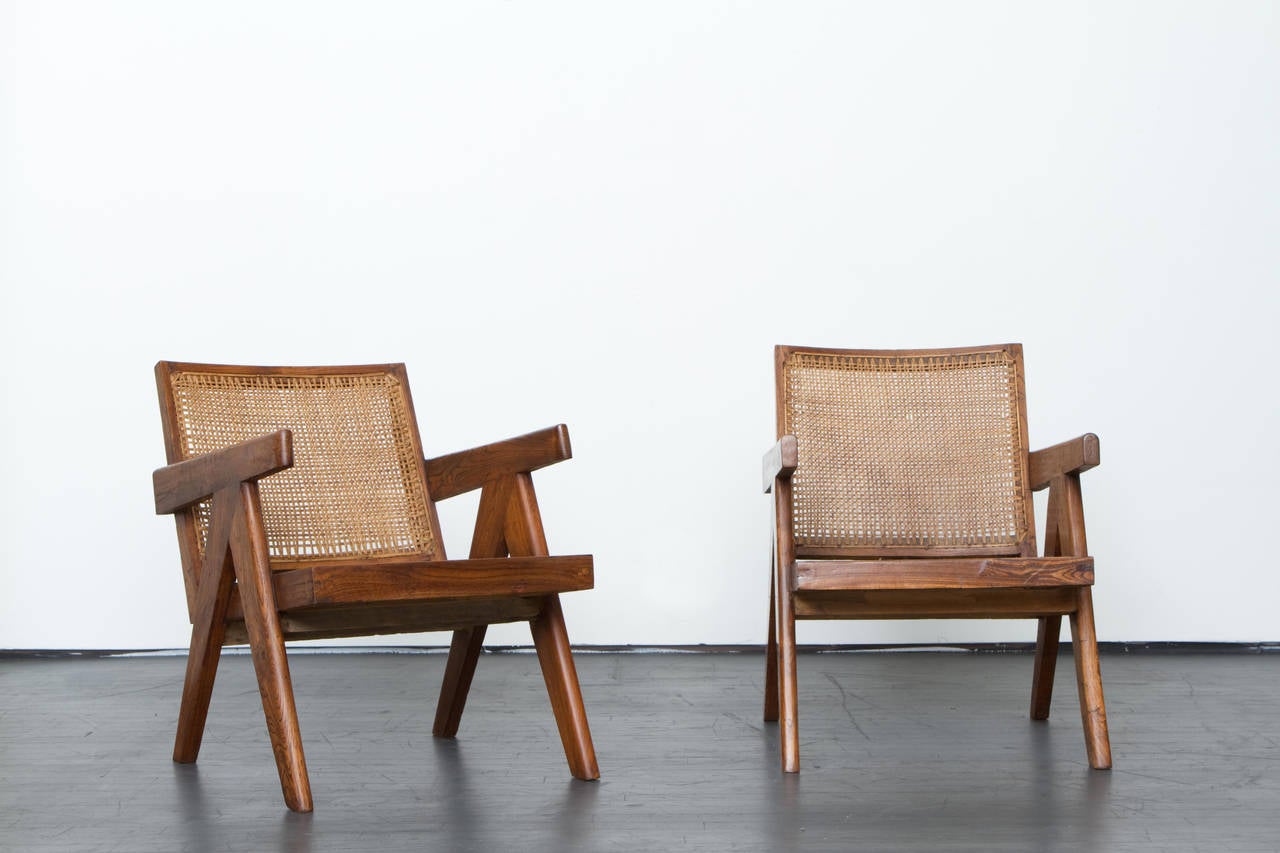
(1059, 467)
(788, 683)
(771, 653)
(266, 643)
(525, 537)
(1084, 640)
(1093, 709)
(208, 626)
(551, 639)
(488, 540)
(1046, 659)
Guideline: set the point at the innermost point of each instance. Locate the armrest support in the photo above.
(780, 461)
(181, 484)
(466, 470)
(1069, 457)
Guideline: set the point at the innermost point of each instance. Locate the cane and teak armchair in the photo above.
(305, 510)
(902, 490)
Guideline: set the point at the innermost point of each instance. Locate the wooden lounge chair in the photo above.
(902, 490)
(305, 509)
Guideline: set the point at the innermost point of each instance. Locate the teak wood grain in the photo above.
(926, 581)
(488, 539)
(444, 579)
(525, 536)
(209, 625)
(1069, 457)
(467, 470)
(1093, 710)
(236, 592)
(249, 556)
(784, 620)
(960, 573)
(1049, 627)
(181, 484)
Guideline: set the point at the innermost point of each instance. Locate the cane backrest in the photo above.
(357, 489)
(907, 453)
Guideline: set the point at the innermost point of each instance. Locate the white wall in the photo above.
(607, 214)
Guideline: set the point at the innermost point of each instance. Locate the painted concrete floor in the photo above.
(900, 752)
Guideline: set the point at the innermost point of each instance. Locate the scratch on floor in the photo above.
(844, 703)
(734, 716)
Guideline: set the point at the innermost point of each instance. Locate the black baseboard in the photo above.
(1111, 648)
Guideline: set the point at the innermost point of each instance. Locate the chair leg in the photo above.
(488, 540)
(785, 628)
(208, 628)
(197, 689)
(266, 644)
(1046, 663)
(464, 652)
(552, 642)
(1093, 709)
(788, 692)
(771, 661)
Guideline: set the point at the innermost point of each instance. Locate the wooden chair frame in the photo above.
(235, 596)
(894, 586)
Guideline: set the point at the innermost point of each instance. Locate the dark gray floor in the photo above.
(900, 752)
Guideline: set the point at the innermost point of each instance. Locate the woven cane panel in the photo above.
(905, 451)
(355, 489)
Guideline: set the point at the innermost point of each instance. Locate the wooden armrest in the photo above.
(1069, 457)
(780, 461)
(456, 473)
(181, 484)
